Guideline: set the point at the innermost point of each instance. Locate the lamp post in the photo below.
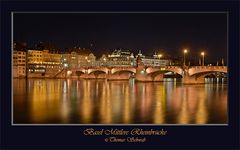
(159, 56)
(184, 53)
(203, 54)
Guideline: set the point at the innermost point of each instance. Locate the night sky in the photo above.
(168, 33)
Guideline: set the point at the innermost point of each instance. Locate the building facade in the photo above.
(19, 63)
(35, 61)
(75, 60)
(154, 61)
(121, 58)
(43, 62)
(51, 62)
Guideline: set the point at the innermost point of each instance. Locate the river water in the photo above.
(67, 101)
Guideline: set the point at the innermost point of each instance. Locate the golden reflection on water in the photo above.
(126, 107)
(86, 105)
(118, 102)
(105, 105)
(201, 114)
(44, 100)
(160, 110)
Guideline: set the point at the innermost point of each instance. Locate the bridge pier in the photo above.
(140, 71)
(142, 75)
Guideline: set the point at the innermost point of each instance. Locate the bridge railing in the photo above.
(173, 67)
(167, 67)
(101, 67)
(209, 67)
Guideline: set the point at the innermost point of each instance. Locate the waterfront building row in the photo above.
(47, 63)
(43, 62)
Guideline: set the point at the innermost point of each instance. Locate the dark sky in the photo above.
(168, 33)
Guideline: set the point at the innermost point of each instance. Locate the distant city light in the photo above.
(163, 69)
(65, 65)
(69, 72)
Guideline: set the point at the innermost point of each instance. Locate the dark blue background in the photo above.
(219, 137)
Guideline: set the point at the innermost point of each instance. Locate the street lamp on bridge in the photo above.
(184, 53)
(203, 54)
(159, 56)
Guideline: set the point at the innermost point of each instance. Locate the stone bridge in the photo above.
(196, 74)
(193, 74)
(110, 73)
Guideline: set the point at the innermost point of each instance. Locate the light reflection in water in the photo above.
(201, 114)
(44, 100)
(118, 102)
(86, 105)
(160, 103)
(126, 107)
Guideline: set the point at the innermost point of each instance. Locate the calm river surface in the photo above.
(60, 101)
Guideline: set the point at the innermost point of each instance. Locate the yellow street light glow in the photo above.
(202, 53)
(185, 51)
(160, 55)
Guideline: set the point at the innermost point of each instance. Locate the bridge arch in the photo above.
(155, 74)
(197, 74)
(206, 70)
(79, 72)
(119, 70)
(173, 69)
(97, 72)
(204, 74)
(92, 70)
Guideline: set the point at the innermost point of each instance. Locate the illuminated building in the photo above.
(35, 61)
(78, 58)
(103, 61)
(43, 62)
(153, 61)
(51, 61)
(19, 63)
(121, 58)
